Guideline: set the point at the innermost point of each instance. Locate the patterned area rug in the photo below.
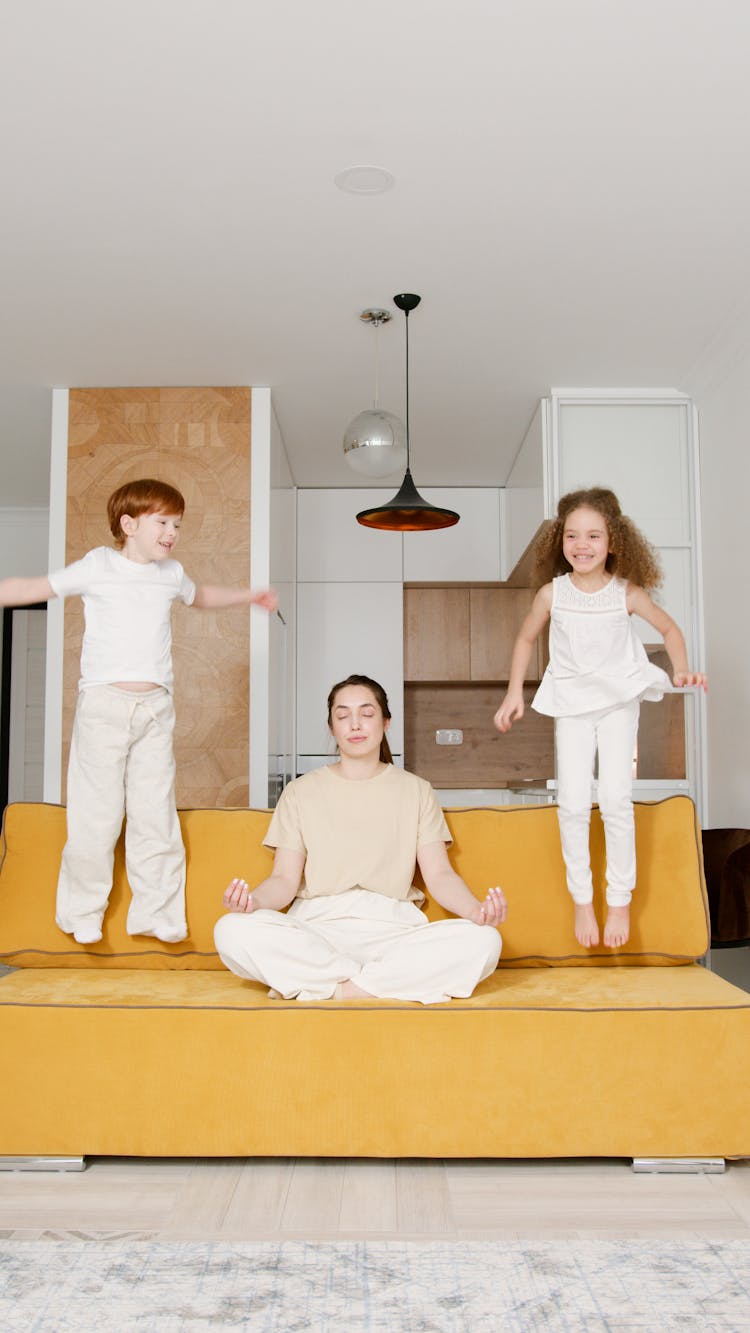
(375, 1287)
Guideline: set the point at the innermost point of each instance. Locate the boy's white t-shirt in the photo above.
(127, 605)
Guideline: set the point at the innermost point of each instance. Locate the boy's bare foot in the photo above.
(617, 928)
(586, 925)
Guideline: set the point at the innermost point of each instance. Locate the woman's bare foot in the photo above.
(617, 928)
(586, 925)
(349, 990)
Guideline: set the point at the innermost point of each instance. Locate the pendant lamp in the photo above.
(407, 511)
(375, 441)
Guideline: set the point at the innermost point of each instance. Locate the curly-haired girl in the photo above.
(595, 567)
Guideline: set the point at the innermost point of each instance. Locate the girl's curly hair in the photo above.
(630, 557)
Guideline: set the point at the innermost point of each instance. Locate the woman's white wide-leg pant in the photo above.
(387, 947)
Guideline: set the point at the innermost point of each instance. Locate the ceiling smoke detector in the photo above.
(364, 180)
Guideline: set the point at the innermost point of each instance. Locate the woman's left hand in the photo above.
(493, 911)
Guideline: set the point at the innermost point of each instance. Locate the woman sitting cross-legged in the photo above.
(347, 838)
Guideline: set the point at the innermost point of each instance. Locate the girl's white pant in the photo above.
(121, 760)
(613, 732)
(386, 946)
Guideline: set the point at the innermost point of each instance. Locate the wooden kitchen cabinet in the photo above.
(464, 633)
(496, 615)
(458, 643)
(436, 634)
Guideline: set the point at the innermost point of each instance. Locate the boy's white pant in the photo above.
(121, 760)
(386, 946)
(613, 732)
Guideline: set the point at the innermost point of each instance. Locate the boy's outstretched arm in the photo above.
(512, 708)
(24, 592)
(210, 597)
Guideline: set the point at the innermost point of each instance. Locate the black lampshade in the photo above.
(408, 511)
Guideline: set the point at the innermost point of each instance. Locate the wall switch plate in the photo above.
(446, 737)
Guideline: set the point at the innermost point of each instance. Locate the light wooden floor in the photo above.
(311, 1199)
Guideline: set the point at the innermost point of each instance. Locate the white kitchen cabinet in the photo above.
(345, 629)
(333, 547)
(469, 551)
(674, 595)
(638, 450)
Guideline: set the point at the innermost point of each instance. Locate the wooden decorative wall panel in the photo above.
(197, 439)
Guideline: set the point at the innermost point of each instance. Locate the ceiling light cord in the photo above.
(377, 323)
(408, 465)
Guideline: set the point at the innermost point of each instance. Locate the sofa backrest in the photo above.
(518, 848)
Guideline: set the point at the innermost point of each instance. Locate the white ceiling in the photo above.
(572, 202)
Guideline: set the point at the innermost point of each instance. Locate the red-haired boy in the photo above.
(121, 754)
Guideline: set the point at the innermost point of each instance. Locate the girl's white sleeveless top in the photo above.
(596, 658)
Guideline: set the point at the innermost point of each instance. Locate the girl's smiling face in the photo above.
(585, 541)
(357, 722)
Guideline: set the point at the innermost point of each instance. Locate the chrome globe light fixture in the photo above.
(375, 441)
(408, 511)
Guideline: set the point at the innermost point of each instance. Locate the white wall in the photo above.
(260, 577)
(53, 688)
(24, 536)
(525, 492)
(722, 395)
(23, 551)
(26, 740)
(282, 629)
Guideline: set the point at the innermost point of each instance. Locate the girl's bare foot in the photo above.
(586, 925)
(617, 928)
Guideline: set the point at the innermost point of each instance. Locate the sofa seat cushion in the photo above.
(563, 989)
(538, 1063)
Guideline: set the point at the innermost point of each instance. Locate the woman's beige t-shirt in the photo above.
(358, 834)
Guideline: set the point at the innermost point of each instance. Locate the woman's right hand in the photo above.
(511, 710)
(237, 897)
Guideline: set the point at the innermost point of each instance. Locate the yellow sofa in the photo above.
(134, 1048)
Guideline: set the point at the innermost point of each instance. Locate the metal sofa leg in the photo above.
(42, 1163)
(697, 1166)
